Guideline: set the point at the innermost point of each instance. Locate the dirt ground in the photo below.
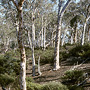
(49, 75)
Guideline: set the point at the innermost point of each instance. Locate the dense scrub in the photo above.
(80, 51)
(72, 78)
(10, 68)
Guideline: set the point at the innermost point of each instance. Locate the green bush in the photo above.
(30, 79)
(16, 84)
(54, 86)
(63, 55)
(48, 86)
(75, 87)
(46, 56)
(6, 79)
(72, 77)
(33, 86)
(80, 51)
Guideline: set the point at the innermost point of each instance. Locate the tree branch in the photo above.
(65, 6)
(15, 3)
(21, 3)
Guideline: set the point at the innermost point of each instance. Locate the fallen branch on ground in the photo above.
(76, 66)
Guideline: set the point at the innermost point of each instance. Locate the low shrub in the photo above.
(72, 77)
(33, 86)
(54, 86)
(30, 79)
(6, 79)
(80, 51)
(75, 87)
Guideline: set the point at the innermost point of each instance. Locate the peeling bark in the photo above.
(22, 52)
(20, 44)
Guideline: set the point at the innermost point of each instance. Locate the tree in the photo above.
(21, 45)
(61, 11)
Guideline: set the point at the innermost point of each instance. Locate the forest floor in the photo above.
(49, 75)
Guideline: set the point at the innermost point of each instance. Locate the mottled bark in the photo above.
(21, 45)
(22, 52)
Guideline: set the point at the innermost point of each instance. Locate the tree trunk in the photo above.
(33, 28)
(76, 36)
(39, 72)
(33, 44)
(83, 33)
(52, 42)
(88, 36)
(42, 34)
(18, 5)
(58, 33)
(22, 52)
(29, 39)
(44, 37)
(57, 40)
(71, 37)
(63, 40)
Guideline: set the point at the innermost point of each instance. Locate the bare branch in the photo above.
(15, 3)
(65, 6)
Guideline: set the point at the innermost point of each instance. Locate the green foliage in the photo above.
(73, 77)
(29, 79)
(48, 86)
(80, 51)
(9, 68)
(33, 86)
(63, 55)
(54, 86)
(6, 79)
(75, 87)
(46, 56)
(74, 20)
(16, 85)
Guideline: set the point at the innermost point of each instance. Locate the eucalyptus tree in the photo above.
(61, 10)
(78, 15)
(81, 17)
(7, 14)
(18, 5)
(84, 13)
